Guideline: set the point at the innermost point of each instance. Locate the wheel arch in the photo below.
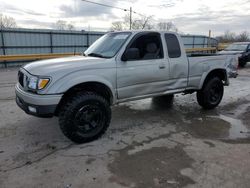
(221, 73)
(90, 86)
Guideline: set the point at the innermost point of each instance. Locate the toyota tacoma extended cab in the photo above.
(118, 67)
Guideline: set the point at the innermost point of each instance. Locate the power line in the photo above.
(110, 6)
(115, 7)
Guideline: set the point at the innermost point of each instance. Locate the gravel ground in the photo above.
(149, 144)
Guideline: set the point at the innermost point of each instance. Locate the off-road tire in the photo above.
(211, 94)
(69, 118)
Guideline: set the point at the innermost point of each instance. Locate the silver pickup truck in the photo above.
(119, 67)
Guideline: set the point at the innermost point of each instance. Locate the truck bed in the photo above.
(202, 63)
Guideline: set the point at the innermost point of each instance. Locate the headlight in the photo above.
(37, 83)
(32, 82)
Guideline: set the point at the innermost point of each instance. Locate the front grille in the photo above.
(20, 78)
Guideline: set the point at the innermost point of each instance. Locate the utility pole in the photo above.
(209, 38)
(130, 18)
(124, 9)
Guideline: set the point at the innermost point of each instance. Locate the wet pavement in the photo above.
(150, 143)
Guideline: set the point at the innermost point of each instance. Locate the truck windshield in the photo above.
(236, 47)
(108, 45)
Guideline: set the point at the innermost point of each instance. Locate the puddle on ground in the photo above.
(220, 123)
(246, 117)
(155, 167)
(237, 129)
(218, 127)
(207, 127)
(156, 103)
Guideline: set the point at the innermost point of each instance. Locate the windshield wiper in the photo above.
(97, 55)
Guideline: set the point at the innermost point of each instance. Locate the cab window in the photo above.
(147, 45)
(174, 49)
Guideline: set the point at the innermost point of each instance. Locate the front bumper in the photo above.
(37, 105)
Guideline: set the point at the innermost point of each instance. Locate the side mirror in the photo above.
(131, 54)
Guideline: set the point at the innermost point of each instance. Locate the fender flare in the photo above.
(206, 75)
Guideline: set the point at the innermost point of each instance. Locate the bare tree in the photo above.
(117, 26)
(146, 22)
(141, 22)
(166, 26)
(171, 27)
(162, 26)
(228, 36)
(243, 37)
(70, 27)
(63, 25)
(7, 22)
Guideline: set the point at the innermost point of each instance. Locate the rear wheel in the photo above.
(211, 94)
(85, 117)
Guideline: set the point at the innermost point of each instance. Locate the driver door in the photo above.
(146, 74)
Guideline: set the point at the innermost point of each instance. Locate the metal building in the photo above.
(40, 41)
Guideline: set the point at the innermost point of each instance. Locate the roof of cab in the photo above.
(143, 31)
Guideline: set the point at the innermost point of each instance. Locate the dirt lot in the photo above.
(149, 144)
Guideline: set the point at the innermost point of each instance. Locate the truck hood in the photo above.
(230, 52)
(66, 64)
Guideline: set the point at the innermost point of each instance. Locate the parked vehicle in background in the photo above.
(242, 49)
(119, 67)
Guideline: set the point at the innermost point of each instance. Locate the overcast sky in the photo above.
(190, 16)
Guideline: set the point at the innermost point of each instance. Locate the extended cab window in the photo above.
(174, 50)
(148, 46)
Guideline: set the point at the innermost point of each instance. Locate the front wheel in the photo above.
(84, 117)
(211, 94)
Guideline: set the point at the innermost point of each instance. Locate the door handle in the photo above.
(162, 66)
